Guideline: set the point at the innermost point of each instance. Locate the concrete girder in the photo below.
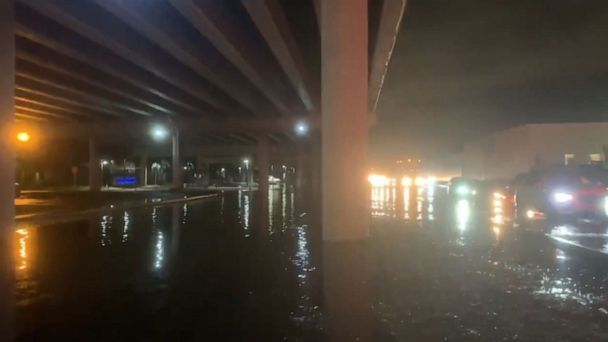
(98, 80)
(390, 21)
(272, 24)
(205, 17)
(149, 21)
(68, 84)
(123, 43)
(110, 64)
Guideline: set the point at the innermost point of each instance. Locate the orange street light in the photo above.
(23, 137)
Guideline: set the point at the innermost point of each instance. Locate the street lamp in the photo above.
(159, 132)
(301, 128)
(246, 162)
(23, 137)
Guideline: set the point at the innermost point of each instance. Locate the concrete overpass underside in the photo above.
(222, 76)
(231, 75)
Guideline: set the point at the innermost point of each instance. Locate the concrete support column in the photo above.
(7, 168)
(201, 169)
(347, 272)
(143, 171)
(95, 176)
(345, 119)
(262, 160)
(302, 167)
(176, 167)
(206, 174)
(263, 163)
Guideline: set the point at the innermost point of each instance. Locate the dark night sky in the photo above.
(462, 68)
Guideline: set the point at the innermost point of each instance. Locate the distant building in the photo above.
(510, 152)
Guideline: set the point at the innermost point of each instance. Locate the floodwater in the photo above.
(216, 269)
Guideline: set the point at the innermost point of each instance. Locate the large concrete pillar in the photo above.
(263, 163)
(347, 272)
(177, 182)
(95, 175)
(262, 160)
(143, 170)
(7, 168)
(201, 169)
(345, 119)
(302, 167)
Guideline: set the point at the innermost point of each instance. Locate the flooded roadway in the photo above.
(211, 269)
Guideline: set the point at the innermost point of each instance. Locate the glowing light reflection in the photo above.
(23, 236)
(126, 218)
(106, 226)
(463, 214)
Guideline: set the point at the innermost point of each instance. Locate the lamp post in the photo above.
(247, 173)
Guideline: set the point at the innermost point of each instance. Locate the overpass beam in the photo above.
(345, 120)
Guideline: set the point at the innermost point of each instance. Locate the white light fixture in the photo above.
(159, 132)
(301, 128)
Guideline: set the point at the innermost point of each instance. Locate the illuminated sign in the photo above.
(125, 180)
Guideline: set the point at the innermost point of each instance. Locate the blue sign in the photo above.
(125, 180)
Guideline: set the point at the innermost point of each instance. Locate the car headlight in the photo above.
(562, 197)
(463, 190)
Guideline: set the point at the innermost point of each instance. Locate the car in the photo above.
(562, 193)
(461, 187)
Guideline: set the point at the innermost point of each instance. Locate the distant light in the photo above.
(246, 162)
(23, 137)
(530, 214)
(498, 195)
(463, 214)
(535, 215)
(301, 128)
(463, 190)
(159, 132)
(406, 182)
(562, 197)
(377, 180)
(498, 219)
(104, 162)
(420, 181)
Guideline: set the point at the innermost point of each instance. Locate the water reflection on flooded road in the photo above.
(414, 204)
(204, 267)
(442, 269)
(471, 275)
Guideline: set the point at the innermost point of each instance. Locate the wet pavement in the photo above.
(217, 269)
(31, 203)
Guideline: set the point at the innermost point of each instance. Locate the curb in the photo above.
(57, 217)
